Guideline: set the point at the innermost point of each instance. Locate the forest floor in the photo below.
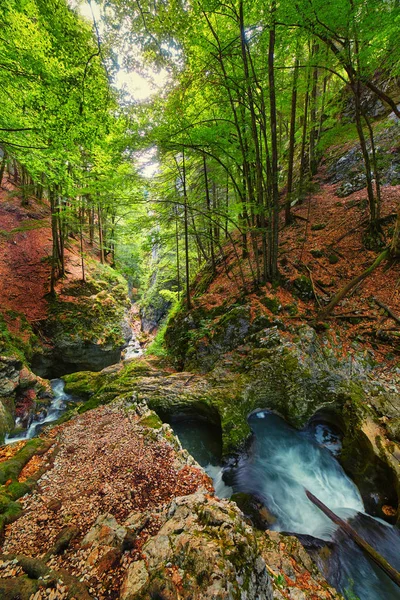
(25, 255)
(325, 244)
(104, 462)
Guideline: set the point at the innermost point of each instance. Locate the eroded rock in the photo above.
(204, 550)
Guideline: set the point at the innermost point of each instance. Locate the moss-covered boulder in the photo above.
(204, 550)
(87, 325)
(20, 393)
(197, 340)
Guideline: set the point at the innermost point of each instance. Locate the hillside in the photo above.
(199, 300)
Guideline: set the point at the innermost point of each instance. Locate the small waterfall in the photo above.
(281, 463)
(58, 405)
(133, 349)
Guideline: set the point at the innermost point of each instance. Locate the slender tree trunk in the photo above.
(375, 166)
(291, 142)
(185, 206)
(178, 269)
(3, 166)
(15, 172)
(260, 216)
(100, 227)
(355, 85)
(395, 245)
(55, 258)
(313, 116)
(273, 250)
(304, 142)
(208, 202)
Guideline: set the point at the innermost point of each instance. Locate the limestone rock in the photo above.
(9, 374)
(105, 532)
(295, 576)
(204, 550)
(135, 580)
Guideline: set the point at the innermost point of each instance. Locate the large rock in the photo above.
(204, 550)
(88, 326)
(19, 389)
(10, 367)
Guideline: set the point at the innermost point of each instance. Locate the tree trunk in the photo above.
(100, 227)
(291, 142)
(185, 205)
(395, 245)
(3, 166)
(208, 202)
(274, 224)
(304, 142)
(178, 270)
(349, 286)
(313, 117)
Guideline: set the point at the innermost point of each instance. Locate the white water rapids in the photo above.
(281, 463)
(54, 411)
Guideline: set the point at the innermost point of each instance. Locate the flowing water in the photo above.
(58, 405)
(281, 463)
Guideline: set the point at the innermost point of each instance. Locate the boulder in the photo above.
(204, 550)
(105, 532)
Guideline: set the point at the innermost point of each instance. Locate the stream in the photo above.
(280, 464)
(57, 407)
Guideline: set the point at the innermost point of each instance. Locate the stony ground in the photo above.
(105, 462)
(104, 522)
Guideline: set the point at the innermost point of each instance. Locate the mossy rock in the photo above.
(303, 287)
(10, 469)
(151, 421)
(393, 428)
(272, 304)
(316, 253)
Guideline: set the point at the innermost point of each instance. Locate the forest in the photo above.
(199, 242)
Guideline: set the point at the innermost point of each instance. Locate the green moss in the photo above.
(333, 258)
(10, 469)
(96, 313)
(318, 226)
(12, 344)
(152, 421)
(157, 346)
(316, 253)
(272, 304)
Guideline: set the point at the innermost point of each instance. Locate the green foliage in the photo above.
(157, 346)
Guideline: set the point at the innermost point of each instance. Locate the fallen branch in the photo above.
(313, 286)
(300, 217)
(349, 286)
(387, 309)
(353, 316)
(352, 533)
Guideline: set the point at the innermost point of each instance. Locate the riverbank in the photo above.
(117, 491)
